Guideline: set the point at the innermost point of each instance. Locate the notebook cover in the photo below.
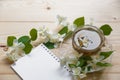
(40, 64)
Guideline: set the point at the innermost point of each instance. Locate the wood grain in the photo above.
(17, 17)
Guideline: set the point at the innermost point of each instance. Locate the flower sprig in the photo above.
(25, 40)
(21, 46)
(83, 64)
(48, 38)
(37, 36)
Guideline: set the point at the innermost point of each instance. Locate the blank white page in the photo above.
(40, 64)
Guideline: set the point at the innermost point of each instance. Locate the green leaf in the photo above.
(49, 45)
(72, 65)
(28, 48)
(33, 34)
(106, 54)
(103, 64)
(63, 30)
(10, 40)
(106, 29)
(79, 22)
(24, 39)
(80, 63)
(89, 68)
(83, 60)
(68, 35)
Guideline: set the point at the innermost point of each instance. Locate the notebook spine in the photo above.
(56, 58)
(53, 55)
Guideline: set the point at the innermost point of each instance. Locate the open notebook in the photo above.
(40, 64)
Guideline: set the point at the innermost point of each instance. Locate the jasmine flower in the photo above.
(16, 51)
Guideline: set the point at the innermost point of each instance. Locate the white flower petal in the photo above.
(72, 27)
(82, 75)
(76, 71)
(61, 19)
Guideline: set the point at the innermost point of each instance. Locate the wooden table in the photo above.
(17, 17)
